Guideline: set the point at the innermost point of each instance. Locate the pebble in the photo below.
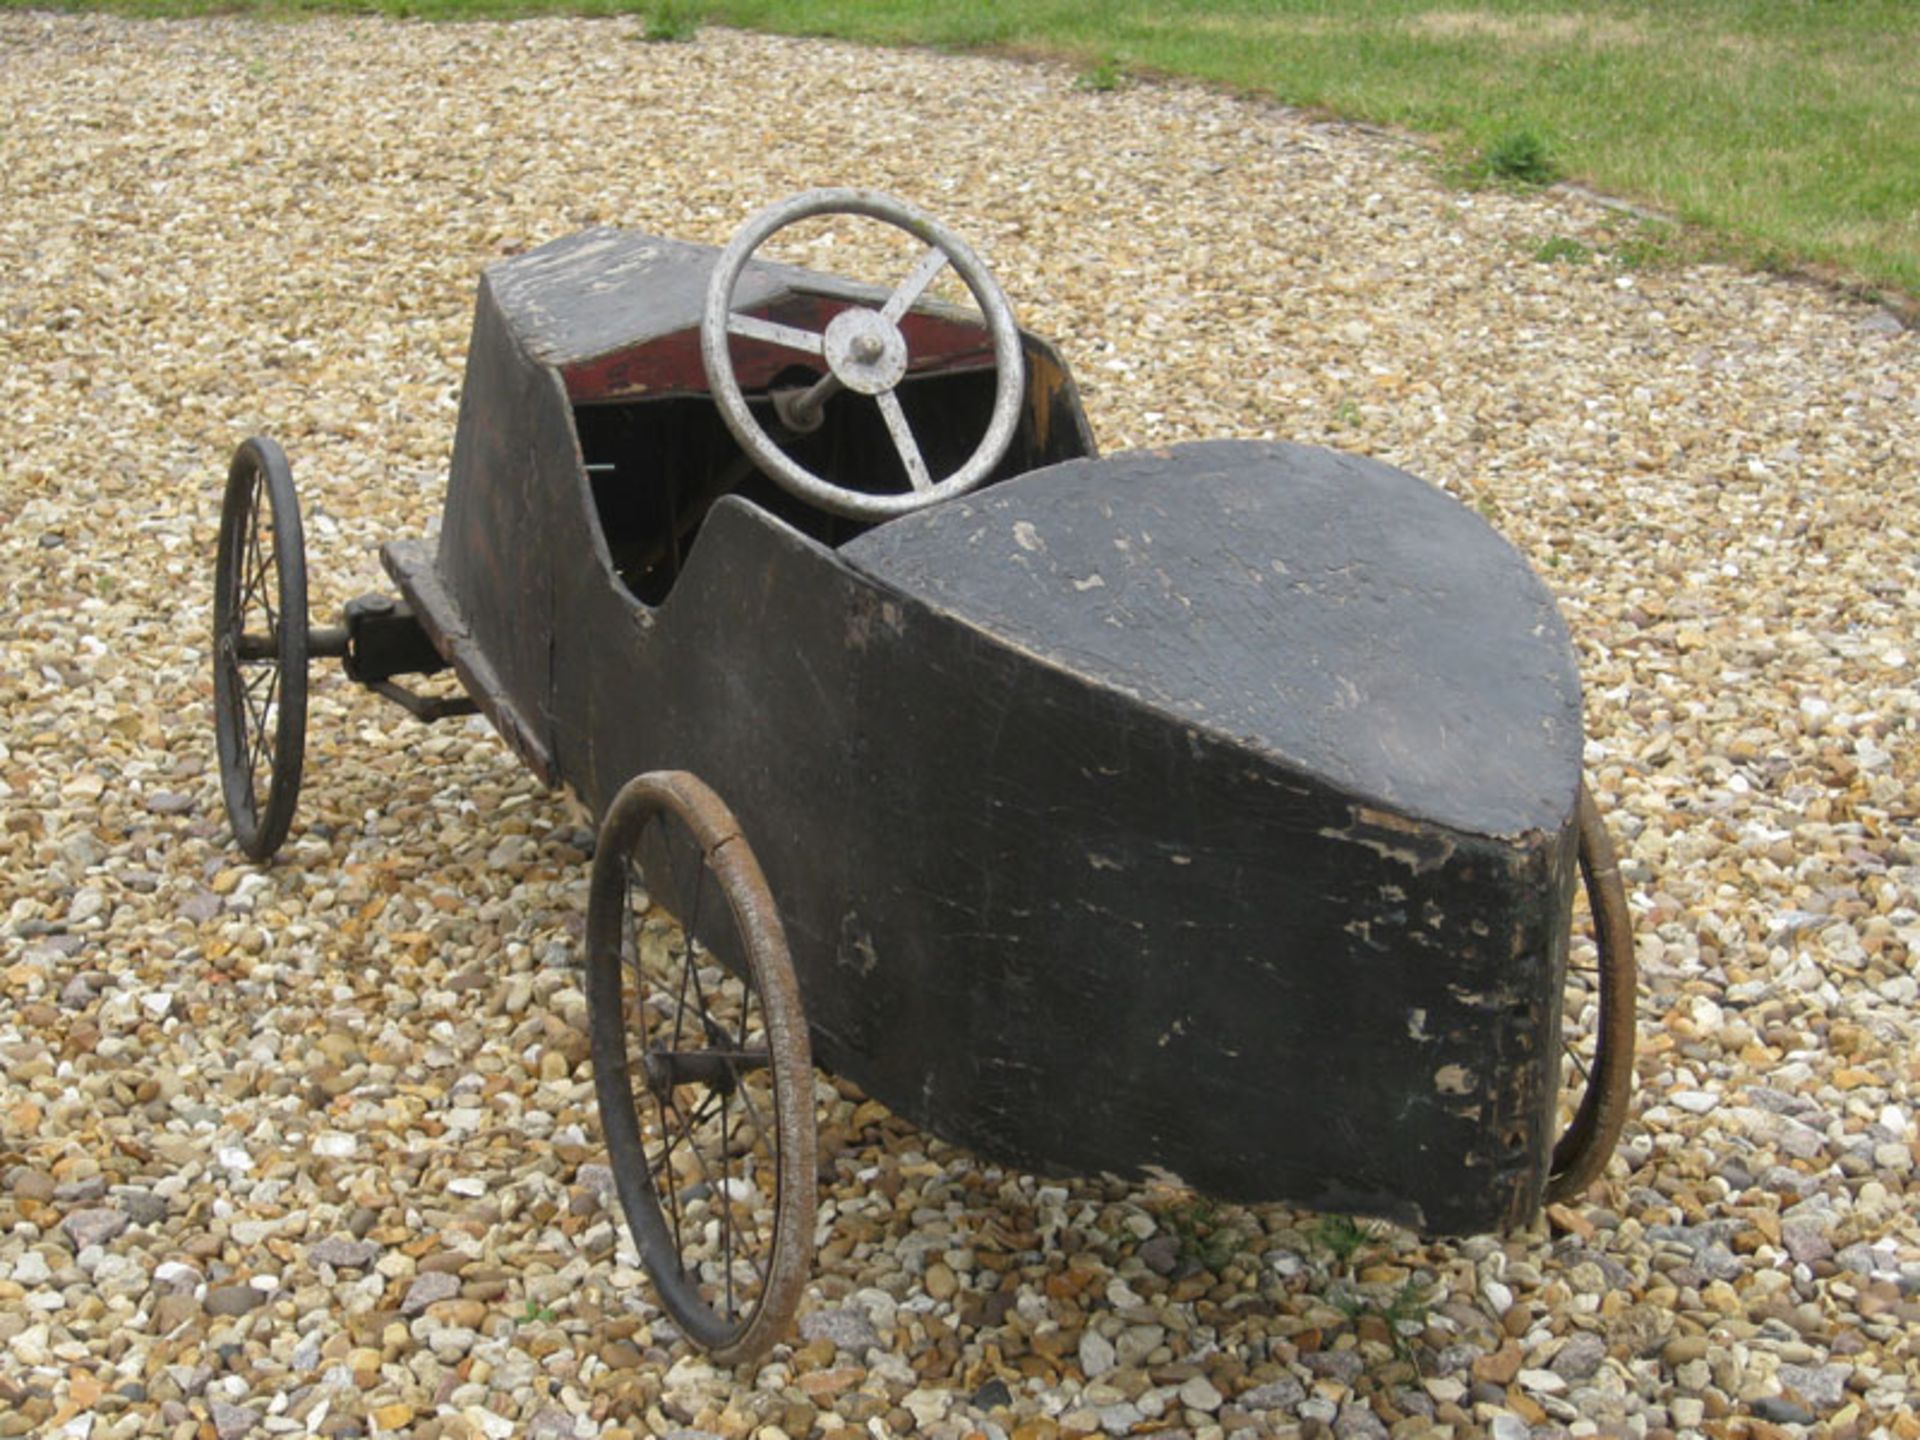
(844, 1329)
(1097, 1354)
(344, 1254)
(1822, 1386)
(1580, 1357)
(1282, 1393)
(427, 1289)
(312, 1147)
(93, 1227)
(1199, 1393)
(230, 1300)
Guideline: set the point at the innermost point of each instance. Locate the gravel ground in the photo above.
(312, 1148)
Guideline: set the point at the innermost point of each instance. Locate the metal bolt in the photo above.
(867, 348)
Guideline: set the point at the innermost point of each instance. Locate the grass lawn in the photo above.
(1785, 131)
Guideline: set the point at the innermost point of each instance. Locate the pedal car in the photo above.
(1212, 812)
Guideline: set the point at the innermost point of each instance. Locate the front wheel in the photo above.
(1598, 1018)
(260, 647)
(702, 1064)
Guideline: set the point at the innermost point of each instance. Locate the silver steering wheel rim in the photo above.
(863, 350)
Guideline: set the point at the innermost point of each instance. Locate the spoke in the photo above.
(240, 581)
(722, 1053)
(261, 745)
(763, 1135)
(1578, 1063)
(243, 737)
(677, 1001)
(660, 1167)
(687, 976)
(911, 288)
(243, 730)
(260, 558)
(903, 440)
(630, 958)
(630, 928)
(663, 1174)
(753, 1222)
(762, 1054)
(249, 563)
(680, 1002)
(249, 568)
(760, 1126)
(707, 1021)
(701, 1161)
(703, 1112)
(726, 1208)
(752, 327)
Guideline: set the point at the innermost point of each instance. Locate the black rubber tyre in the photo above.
(702, 1064)
(260, 647)
(1598, 1023)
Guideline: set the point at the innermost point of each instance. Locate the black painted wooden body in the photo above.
(1207, 811)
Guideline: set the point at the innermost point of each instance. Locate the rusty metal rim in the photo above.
(726, 852)
(1583, 1150)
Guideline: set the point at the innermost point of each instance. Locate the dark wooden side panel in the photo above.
(499, 555)
(1074, 934)
(1115, 942)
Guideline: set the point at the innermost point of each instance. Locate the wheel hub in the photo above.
(866, 351)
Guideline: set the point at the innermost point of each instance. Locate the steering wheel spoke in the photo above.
(904, 442)
(773, 332)
(864, 349)
(915, 285)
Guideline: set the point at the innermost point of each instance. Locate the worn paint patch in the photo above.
(1395, 838)
(869, 616)
(1499, 999)
(1453, 1080)
(856, 948)
(1417, 1024)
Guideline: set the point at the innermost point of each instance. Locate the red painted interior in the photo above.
(670, 364)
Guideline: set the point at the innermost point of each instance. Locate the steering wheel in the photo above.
(864, 351)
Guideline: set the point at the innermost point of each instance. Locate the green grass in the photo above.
(1102, 76)
(1785, 131)
(1563, 249)
(1519, 157)
(1343, 1237)
(670, 20)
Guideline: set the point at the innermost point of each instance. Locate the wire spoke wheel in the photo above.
(701, 1063)
(260, 647)
(1597, 1022)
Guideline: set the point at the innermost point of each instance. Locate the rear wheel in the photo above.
(260, 647)
(1597, 1023)
(702, 1064)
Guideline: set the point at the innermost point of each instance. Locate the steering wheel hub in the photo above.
(865, 351)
